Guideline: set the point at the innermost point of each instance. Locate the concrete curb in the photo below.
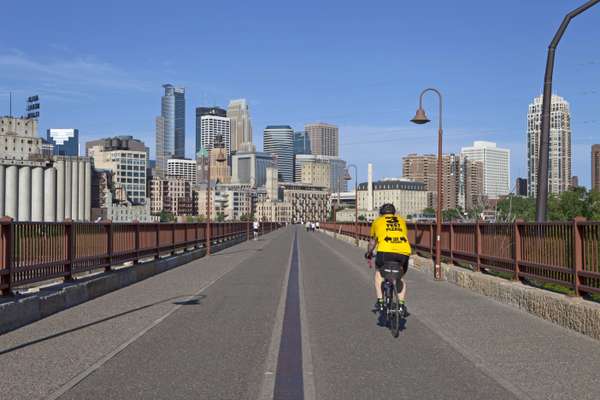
(25, 309)
(573, 313)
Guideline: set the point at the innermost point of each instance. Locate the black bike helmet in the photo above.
(387, 208)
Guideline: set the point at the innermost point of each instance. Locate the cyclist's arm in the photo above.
(372, 241)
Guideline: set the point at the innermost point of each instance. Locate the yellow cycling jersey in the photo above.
(391, 234)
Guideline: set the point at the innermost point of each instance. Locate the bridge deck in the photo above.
(213, 329)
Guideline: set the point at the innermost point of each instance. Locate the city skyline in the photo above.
(82, 87)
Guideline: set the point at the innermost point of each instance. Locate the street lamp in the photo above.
(355, 201)
(542, 181)
(345, 177)
(420, 118)
(219, 158)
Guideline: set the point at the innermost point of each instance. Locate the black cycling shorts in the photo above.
(392, 261)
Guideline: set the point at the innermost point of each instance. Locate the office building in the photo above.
(496, 167)
(324, 139)
(241, 127)
(408, 197)
(250, 167)
(171, 194)
(127, 159)
(184, 168)
(308, 203)
(19, 139)
(65, 141)
(472, 183)
(170, 127)
(278, 140)
(423, 168)
(301, 143)
(596, 167)
(213, 127)
(521, 187)
(559, 160)
(574, 182)
(337, 171)
(200, 112)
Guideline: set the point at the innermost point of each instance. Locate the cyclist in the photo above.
(389, 238)
(255, 228)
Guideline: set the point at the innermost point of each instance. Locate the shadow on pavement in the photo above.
(65, 332)
(194, 300)
(233, 252)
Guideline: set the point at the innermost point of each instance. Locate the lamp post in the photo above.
(542, 181)
(355, 202)
(421, 118)
(220, 158)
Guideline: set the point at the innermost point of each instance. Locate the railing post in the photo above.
(137, 241)
(451, 242)
(172, 238)
(478, 246)
(248, 230)
(8, 234)
(577, 255)
(431, 240)
(109, 236)
(70, 244)
(157, 240)
(517, 248)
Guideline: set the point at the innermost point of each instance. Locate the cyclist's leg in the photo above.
(378, 282)
(402, 293)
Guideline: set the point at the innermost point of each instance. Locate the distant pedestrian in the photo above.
(255, 228)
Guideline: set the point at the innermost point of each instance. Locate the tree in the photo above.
(453, 214)
(429, 211)
(516, 207)
(361, 218)
(166, 216)
(220, 217)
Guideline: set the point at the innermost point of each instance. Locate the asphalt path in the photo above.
(289, 317)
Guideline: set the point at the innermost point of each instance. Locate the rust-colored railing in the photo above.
(564, 253)
(34, 252)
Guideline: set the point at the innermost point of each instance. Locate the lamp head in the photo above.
(420, 117)
(347, 176)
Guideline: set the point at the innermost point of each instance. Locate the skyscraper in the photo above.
(213, 126)
(279, 140)
(65, 141)
(170, 127)
(521, 187)
(201, 111)
(241, 127)
(423, 168)
(301, 143)
(596, 167)
(496, 167)
(559, 161)
(324, 139)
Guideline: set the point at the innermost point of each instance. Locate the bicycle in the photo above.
(392, 312)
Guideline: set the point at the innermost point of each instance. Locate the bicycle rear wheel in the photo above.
(395, 316)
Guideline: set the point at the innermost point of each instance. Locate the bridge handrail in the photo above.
(35, 252)
(564, 253)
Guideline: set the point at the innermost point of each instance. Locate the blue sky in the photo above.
(99, 67)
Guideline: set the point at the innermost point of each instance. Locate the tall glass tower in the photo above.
(170, 127)
(279, 140)
(65, 141)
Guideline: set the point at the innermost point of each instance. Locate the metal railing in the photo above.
(563, 253)
(35, 252)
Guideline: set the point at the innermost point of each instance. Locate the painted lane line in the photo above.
(268, 384)
(289, 382)
(307, 365)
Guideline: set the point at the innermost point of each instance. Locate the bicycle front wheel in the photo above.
(395, 314)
